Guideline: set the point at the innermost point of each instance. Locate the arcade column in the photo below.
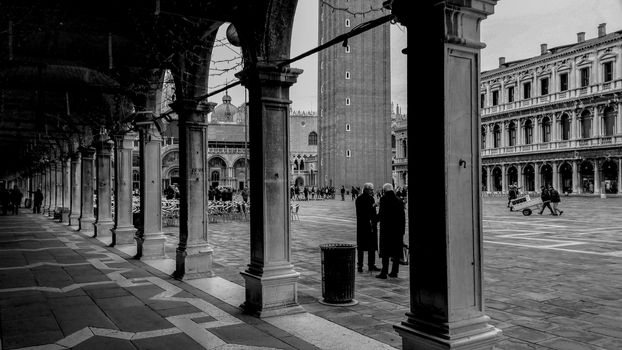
(87, 217)
(271, 281)
(74, 206)
(103, 164)
(149, 236)
(194, 253)
(446, 282)
(124, 230)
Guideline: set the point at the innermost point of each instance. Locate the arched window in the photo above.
(296, 164)
(215, 175)
(512, 134)
(586, 125)
(609, 118)
(528, 132)
(565, 127)
(496, 136)
(546, 130)
(313, 138)
(302, 164)
(348, 153)
(393, 142)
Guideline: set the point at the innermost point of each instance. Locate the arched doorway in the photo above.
(586, 172)
(300, 181)
(546, 175)
(512, 175)
(610, 176)
(530, 178)
(565, 127)
(609, 117)
(565, 174)
(217, 171)
(586, 124)
(240, 172)
(484, 180)
(497, 179)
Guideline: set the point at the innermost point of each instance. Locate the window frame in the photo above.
(348, 101)
(543, 86)
(525, 90)
(566, 75)
(495, 97)
(584, 81)
(510, 96)
(610, 65)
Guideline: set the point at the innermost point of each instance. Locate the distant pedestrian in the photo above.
(546, 200)
(5, 200)
(306, 193)
(392, 227)
(38, 200)
(366, 228)
(343, 193)
(555, 200)
(512, 194)
(16, 199)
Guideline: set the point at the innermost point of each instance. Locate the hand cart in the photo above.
(525, 203)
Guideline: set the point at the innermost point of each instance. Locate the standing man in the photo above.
(546, 200)
(392, 227)
(343, 193)
(38, 199)
(555, 200)
(16, 199)
(366, 229)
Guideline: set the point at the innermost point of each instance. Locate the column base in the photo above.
(150, 246)
(74, 219)
(86, 225)
(64, 215)
(472, 334)
(103, 229)
(195, 262)
(271, 295)
(123, 235)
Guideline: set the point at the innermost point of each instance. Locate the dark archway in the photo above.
(546, 175)
(565, 175)
(530, 178)
(586, 171)
(610, 176)
(512, 176)
(497, 178)
(484, 180)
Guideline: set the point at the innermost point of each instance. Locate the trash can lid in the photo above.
(330, 246)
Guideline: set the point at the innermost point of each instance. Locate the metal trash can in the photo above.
(338, 264)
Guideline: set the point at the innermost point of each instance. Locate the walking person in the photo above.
(366, 228)
(38, 200)
(511, 195)
(546, 200)
(555, 200)
(16, 199)
(392, 227)
(343, 193)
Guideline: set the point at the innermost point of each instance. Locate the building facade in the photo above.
(303, 142)
(354, 91)
(555, 119)
(399, 144)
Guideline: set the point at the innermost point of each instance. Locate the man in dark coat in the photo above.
(36, 204)
(366, 228)
(546, 200)
(392, 227)
(16, 199)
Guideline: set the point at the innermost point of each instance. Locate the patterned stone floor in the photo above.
(550, 283)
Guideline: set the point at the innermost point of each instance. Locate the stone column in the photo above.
(124, 230)
(46, 192)
(52, 202)
(103, 224)
(446, 279)
(194, 253)
(87, 218)
(555, 166)
(59, 186)
(573, 126)
(576, 188)
(595, 125)
(619, 124)
(271, 281)
(619, 173)
(65, 202)
(74, 205)
(596, 176)
(519, 168)
(489, 179)
(149, 236)
(537, 180)
(504, 177)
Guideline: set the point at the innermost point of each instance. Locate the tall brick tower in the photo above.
(354, 97)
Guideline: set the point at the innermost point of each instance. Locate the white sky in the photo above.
(515, 31)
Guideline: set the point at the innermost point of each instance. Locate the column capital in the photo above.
(270, 74)
(86, 151)
(146, 122)
(125, 140)
(192, 111)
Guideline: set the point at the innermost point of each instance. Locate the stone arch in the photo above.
(586, 176)
(609, 121)
(585, 122)
(497, 179)
(610, 171)
(546, 175)
(565, 177)
(512, 175)
(217, 171)
(529, 183)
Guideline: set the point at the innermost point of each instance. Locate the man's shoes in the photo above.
(359, 269)
(382, 275)
(540, 213)
(561, 212)
(374, 268)
(393, 275)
